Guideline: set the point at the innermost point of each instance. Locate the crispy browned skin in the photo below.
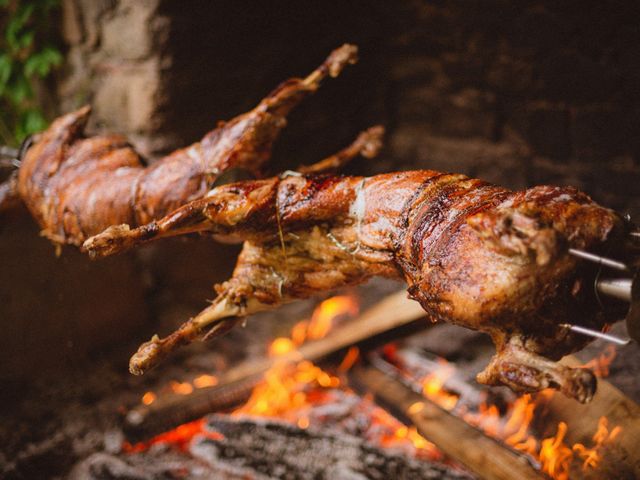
(76, 186)
(472, 253)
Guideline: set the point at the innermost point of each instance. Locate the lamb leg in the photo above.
(77, 186)
(195, 216)
(525, 371)
(265, 277)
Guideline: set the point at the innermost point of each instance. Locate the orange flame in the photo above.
(395, 435)
(281, 346)
(323, 317)
(513, 427)
(555, 456)
(284, 389)
(592, 456)
(289, 392)
(433, 386)
(178, 437)
(148, 398)
(350, 358)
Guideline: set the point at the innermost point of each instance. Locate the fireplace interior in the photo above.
(517, 94)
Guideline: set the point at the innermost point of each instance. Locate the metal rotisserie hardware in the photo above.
(617, 284)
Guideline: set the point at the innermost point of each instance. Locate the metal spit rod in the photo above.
(619, 288)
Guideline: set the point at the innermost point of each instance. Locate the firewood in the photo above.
(456, 438)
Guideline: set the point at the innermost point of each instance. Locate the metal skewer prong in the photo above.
(592, 257)
(594, 333)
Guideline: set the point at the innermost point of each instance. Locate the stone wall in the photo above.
(114, 63)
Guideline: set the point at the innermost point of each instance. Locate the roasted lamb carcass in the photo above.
(76, 186)
(472, 253)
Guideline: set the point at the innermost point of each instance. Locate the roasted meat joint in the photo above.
(513, 264)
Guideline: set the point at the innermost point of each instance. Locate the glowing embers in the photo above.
(148, 398)
(179, 437)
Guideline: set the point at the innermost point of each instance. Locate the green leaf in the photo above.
(20, 91)
(53, 56)
(34, 122)
(19, 132)
(5, 71)
(23, 14)
(32, 65)
(25, 57)
(16, 24)
(26, 40)
(40, 63)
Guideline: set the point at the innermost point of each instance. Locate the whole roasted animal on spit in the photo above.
(472, 253)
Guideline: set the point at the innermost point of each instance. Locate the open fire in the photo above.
(512, 424)
(297, 392)
(306, 395)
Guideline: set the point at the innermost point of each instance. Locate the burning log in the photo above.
(453, 436)
(392, 318)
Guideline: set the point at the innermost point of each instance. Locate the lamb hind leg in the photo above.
(213, 321)
(192, 217)
(236, 299)
(265, 277)
(525, 371)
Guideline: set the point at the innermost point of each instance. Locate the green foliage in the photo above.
(27, 58)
